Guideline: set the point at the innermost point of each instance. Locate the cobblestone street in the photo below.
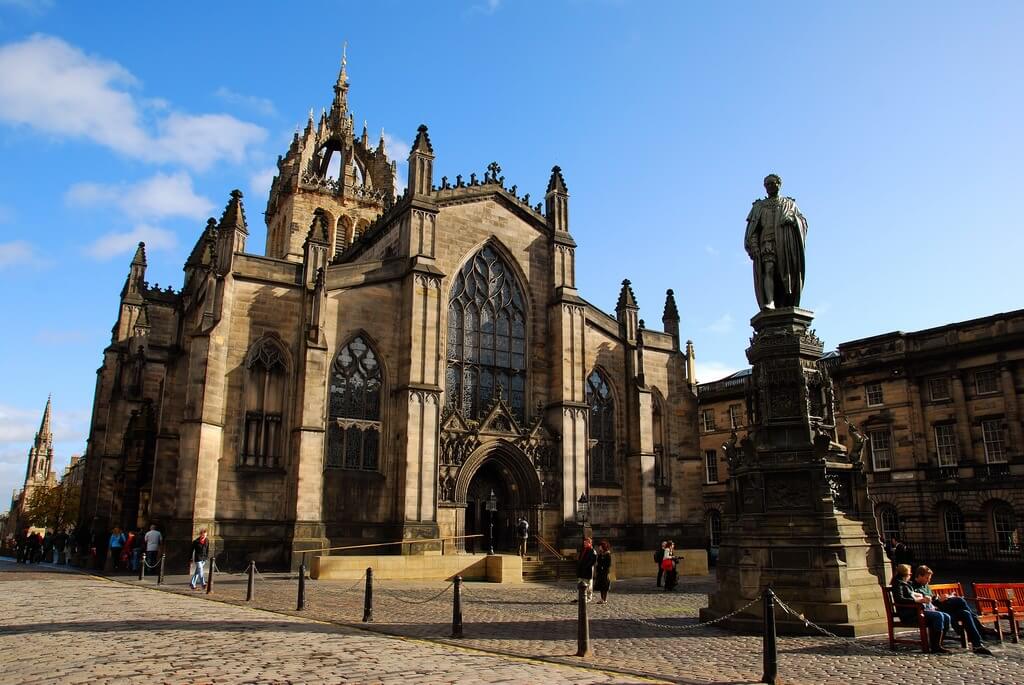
(72, 628)
(538, 621)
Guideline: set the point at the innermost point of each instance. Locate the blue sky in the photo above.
(896, 126)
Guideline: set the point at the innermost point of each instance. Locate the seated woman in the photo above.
(903, 592)
(955, 607)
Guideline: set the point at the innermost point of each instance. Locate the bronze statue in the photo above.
(776, 231)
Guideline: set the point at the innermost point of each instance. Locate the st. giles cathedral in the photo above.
(391, 360)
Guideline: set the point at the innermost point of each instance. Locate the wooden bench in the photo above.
(1004, 600)
(941, 591)
(894, 621)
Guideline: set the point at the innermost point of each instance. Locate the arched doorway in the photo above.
(503, 469)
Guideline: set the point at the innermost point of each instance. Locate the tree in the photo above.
(52, 506)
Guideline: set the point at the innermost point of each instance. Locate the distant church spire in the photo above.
(40, 455)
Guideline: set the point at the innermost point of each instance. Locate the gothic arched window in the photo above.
(353, 422)
(486, 338)
(264, 405)
(602, 428)
(661, 477)
(889, 523)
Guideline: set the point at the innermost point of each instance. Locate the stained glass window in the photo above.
(602, 428)
(353, 425)
(486, 338)
(264, 403)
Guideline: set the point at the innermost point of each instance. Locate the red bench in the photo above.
(940, 591)
(1003, 600)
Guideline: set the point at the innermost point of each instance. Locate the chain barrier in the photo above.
(392, 595)
(693, 626)
(328, 590)
(156, 564)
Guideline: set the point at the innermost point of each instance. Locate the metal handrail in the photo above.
(544, 544)
(386, 544)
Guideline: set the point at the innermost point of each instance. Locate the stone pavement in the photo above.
(73, 628)
(642, 631)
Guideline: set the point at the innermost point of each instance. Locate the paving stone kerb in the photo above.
(642, 630)
(72, 628)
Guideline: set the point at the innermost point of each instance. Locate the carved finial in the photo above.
(458, 181)
(671, 311)
(557, 183)
(422, 142)
(472, 179)
(626, 297)
(494, 168)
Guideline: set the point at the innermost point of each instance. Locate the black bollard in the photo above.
(583, 630)
(368, 597)
(457, 608)
(209, 578)
(250, 583)
(160, 577)
(771, 652)
(142, 566)
(300, 603)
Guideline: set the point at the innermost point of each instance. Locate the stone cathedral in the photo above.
(393, 358)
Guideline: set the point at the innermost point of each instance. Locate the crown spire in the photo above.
(626, 298)
(45, 433)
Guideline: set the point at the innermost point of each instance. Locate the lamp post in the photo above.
(492, 506)
(582, 509)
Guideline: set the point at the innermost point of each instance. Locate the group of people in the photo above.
(127, 550)
(32, 547)
(667, 561)
(594, 568)
(941, 614)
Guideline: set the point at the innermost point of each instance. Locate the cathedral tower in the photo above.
(330, 170)
(40, 455)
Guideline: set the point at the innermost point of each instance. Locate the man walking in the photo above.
(523, 533)
(153, 540)
(200, 554)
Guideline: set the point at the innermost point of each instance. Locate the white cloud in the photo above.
(55, 337)
(19, 253)
(113, 244)
(259, 183)
(722, 324)
(6, 214)
(18, 426)
(486, 7)
(159, 196)
(31, 6)
(398, 150)
(711, 250)
(255, 103)
(55, 88)
(712, 371)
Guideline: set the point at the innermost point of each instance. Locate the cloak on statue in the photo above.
(783, 218)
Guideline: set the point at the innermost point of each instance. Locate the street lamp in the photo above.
(582, 509)
(492, 506)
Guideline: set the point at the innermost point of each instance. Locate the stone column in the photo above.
(1012, 412)
(963, 423)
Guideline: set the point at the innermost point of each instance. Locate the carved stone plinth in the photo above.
(797, 515)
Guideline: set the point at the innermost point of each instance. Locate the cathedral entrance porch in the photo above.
(505, 471)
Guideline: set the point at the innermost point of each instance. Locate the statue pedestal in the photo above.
(797, 515)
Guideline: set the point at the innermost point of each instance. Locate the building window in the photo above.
(881, 449)
(486, 338)
(264, 403)
(945, 444)
(658, 428)
(707, 418)
(1004, 525)
(888, 522)
(735, 416)
(602, 428)
(711, 466)
(956, 536)
(938, 388)
(995, 446)
(353, 424)
(873, 394)
(986, 381)
(714, 528)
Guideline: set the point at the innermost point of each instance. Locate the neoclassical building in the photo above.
(392, 359)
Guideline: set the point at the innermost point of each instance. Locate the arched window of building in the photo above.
(714, 523)
(888, 523)
(353, 423)
(1004, 527)
(486, 338)
(953, 523)
(262, 442)
(661, 477)
(602, 428)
